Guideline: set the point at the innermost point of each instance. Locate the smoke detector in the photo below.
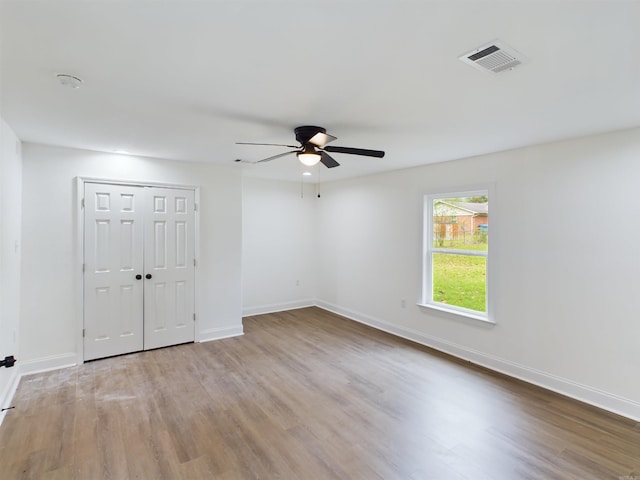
(69, 81)
(494, 57)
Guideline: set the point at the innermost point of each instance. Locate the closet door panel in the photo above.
(169, 260)
(113, 256)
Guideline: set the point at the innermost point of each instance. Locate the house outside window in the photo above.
(456, 252)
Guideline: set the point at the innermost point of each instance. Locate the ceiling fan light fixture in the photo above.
(308, 156)
(309, 159)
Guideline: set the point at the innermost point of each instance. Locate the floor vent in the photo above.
(494, 57)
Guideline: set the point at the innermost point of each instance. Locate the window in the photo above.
(456, 252)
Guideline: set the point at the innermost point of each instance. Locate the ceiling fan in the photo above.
(313, 148)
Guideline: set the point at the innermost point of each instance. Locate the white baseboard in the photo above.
(45, 364)
(220, 333)
(6, 396)
(604, 400)
(277, 307)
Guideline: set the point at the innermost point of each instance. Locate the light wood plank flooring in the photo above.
(304, 395)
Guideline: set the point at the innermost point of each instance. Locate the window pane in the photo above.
(461, 223)
(460, 280)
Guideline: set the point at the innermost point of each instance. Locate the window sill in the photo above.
(458, 313)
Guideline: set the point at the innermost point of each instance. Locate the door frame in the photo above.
(79, 248)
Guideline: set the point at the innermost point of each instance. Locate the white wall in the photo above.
(565, 223)
(10, 219)
(279, 248)
(49, 325)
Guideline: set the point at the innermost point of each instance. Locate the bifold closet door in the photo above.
(139, 268)
(113, 295)
(169, 267)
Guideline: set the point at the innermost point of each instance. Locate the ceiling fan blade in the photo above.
(268, 159)
(320, 139)
(267, 144)
(356, 151)
(328, 161)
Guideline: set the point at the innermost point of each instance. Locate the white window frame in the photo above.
(429, 250)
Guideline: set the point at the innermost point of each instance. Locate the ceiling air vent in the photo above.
(494, 57)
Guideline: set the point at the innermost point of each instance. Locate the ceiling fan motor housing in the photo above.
(306, 133)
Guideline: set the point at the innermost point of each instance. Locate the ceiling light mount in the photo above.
(69, 81)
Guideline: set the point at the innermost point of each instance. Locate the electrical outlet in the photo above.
(403, 303)
(297, 283)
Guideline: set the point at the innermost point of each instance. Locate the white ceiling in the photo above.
(185, 80)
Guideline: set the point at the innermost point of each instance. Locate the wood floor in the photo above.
(304, 395)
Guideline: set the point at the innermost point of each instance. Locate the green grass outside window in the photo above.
(460, 280)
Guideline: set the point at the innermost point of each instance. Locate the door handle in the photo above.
(148, 276)
(138, 277)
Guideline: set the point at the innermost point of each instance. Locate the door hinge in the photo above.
(82, 203)
(195, 207)
(83, 268)
(83, 332)
(194, 317)
(194, 262)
